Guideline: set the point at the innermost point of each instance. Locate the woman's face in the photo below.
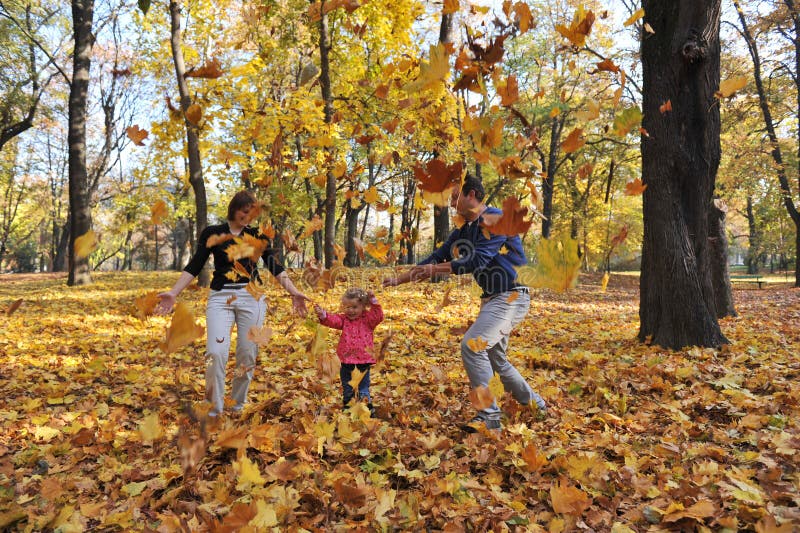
(243, 216)
(352, 308)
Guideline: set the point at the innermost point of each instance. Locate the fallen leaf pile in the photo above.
(101, 430)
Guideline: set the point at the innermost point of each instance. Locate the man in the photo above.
(504, 303)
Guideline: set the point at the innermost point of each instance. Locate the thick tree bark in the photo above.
(327, 98)
(720, 277)
(192, 136)
(680, 158)
(80, 211)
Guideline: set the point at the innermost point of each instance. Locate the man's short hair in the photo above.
(471, 183)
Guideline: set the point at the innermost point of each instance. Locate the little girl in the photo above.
(355, 349)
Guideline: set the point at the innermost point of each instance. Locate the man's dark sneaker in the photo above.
(474, 425)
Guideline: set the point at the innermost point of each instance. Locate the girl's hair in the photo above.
(240, 200)
(354, 293)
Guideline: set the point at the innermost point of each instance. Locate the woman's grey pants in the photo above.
(226, 307)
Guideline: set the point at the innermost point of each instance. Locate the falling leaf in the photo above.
(639, 13)
(208, 70)
(260, 336)
(591, 112)
(158, 212)
(371, 195)
(85, 244)
(476, 344)
(313, 225)
(481, 397)
(730, 86)
(445, 300)
(450, 6)
(136, 134)
(557, 267)
(635, 187)
(267, 230)
(183, 329)
(150, 428)
(666, 106)
(648, 28)
(620, 237)
(604, 281)
(573, 142)
(513, 296)
(378, 250)
(218, 238)
(194, 114)
(626, 120)
(14, 306)
(289, 241)
(511, 221)
(579, 29)
(509, 92)
(496, 386)
(146, 305)
(607, 65)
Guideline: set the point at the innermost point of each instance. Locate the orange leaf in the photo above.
(619, 237)
(579, 28)
(208, 70)
(359, 244)
(14, 306)
(607, 65)
(476, 344)
(260, 336)
(573, 142)
(481, 397)
(446, 299)
(267, 230)
(382, 91)
(635, 187)
(513, 296)
(182, 330)
(289, 241)
(568, 500)
(158, 211)
(438, 176)
(136, 134)
(533, 458)
(146, 305)
(194, 113)
(509, 93)
(666, 106)
(729, 87)
(511, 221)
(450, 6)
(218, 238)
(315, 224)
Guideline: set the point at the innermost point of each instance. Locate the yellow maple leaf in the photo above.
(591, 112)
(182, 330)
(85, 244)
(158, 211)
(730, 86)
(371, 195)
(557, 267)
(496, 386)
(568, 500)
(150, 428)
(579, 28)
(433, 72)
(247, 474)
(476, 344)
(265, 517)
(639, 13)
(315, 224)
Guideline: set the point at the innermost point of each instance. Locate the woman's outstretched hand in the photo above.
(166, 303)
(299, 304)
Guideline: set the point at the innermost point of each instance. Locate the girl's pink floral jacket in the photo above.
(356, 343)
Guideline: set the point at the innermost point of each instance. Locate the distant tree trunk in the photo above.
(80, 211)
(680, 157)
(754, 240)
(556, 126)
(327, 98)
(441, 215)
(351, 230)
(763, 100)
(406, 223)
(192, 137)
(720, 277)
(61, 240)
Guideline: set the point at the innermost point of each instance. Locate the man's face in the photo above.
(463, 204)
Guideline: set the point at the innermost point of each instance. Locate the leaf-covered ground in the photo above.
(95, 431)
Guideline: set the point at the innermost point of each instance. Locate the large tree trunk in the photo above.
(680, 158)
(556, 126)
(192, 137)
(327, 98)
(80, 211)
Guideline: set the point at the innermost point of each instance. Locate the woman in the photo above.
(229, 301)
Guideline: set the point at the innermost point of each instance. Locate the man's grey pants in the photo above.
(226, 307)
(495, 321)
